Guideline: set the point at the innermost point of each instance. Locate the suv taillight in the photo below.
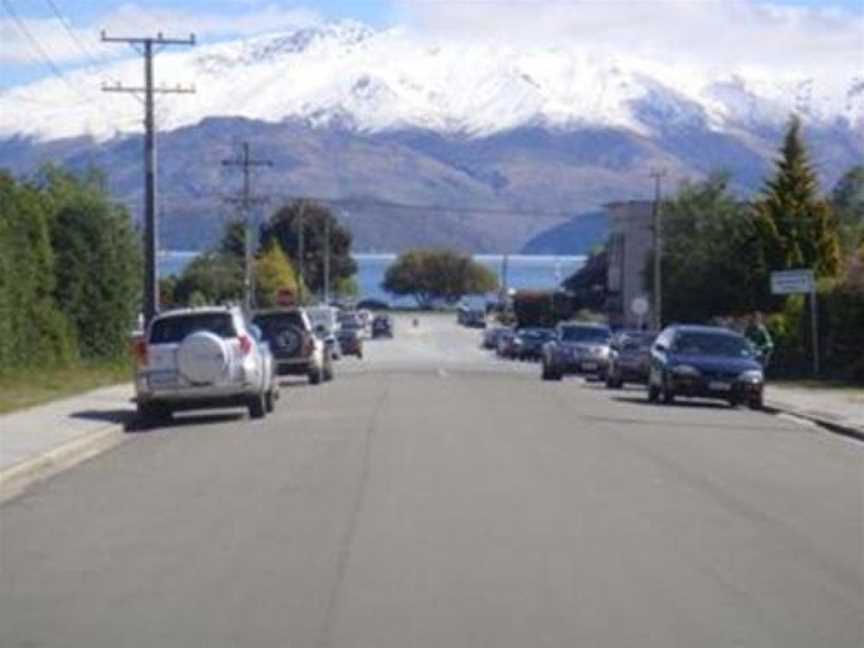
(308, 345)
(139, 348)
(245, 344)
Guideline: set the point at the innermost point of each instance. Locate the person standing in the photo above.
(758, 334)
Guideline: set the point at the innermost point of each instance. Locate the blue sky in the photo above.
(42, 36)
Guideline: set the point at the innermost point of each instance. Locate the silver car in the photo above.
(203, 358)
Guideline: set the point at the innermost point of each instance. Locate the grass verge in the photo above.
(22, 388)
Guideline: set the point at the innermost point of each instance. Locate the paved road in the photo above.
(432, 496)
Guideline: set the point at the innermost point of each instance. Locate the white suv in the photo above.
(201, 358)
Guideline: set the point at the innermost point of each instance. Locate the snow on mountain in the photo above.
(377, 81)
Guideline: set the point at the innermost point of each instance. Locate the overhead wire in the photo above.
(48, 61)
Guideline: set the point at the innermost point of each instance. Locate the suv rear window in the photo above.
(171, 330)
(271, 324)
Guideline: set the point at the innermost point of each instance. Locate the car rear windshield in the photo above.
(712, 344)
(272, 324)
(584, 334)
(172, 330)
(638, 341)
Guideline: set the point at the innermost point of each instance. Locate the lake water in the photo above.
(523, 271)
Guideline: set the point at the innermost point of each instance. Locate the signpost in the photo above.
(798, 282)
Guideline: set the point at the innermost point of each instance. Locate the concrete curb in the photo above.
(828, 424)
(17, 478)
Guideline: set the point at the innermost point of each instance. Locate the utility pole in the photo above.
(327, 227)
(301, 252)
(658, 175)
(246, 201)
(145, 46)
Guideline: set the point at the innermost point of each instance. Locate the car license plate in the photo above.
(589, 366)
(163, 379)
(719, 386)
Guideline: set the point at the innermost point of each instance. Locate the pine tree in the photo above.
(795, 224)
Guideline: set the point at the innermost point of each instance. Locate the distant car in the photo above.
(382, 326)
(531, 341)
(350, 341)
(491, 335)
(629, 358)
(577, 348)
(203, 358)
(707, 362)
(298, 351)
(506, 343)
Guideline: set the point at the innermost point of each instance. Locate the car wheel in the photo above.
(653, 393)
(757, 402)
(667, 394)
(257, 407)
(328, 372)
(270, 401)
(315, 376)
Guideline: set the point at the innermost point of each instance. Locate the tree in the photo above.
(213, 276)
(98, 267)
(284, 227)
(273, 274)
(233, 242)
(33, 331)
(712, 261)
(795, 225)
(847, 200)
(430, 275)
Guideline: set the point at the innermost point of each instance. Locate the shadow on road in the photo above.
(643, 400)
(118, 416)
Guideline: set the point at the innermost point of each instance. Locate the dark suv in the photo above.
(296, 349)
(707, 362)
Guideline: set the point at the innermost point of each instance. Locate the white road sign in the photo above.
(639, 306)
(791, 282)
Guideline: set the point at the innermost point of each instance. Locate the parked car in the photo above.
(203, 358)
(629, 358)
(382, 326)
(325, 324)
(298, 351)
(491, 335)
(705, 361)
(577, 348)
(530, 341)
(506, 343)
(351, 341)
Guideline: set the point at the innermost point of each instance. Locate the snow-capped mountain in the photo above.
(500, 141)
(377, 81)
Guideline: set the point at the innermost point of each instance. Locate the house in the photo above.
(613, 279)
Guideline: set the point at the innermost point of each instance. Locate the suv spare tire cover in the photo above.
(203, 357)
(289, 341)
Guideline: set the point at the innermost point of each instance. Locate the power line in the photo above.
(61, 18)
(457, 209)
(34, 43)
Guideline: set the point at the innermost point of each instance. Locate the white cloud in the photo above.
(257, 19)
(724, 34)
(133, 20)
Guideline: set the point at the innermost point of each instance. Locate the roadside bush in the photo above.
(98, 269)
(32, 328)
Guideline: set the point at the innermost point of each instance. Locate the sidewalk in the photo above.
(842, 410)
(42, 440)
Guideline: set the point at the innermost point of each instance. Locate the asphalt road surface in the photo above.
(433, 496)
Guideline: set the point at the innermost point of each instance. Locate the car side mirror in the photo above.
(660, 347)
